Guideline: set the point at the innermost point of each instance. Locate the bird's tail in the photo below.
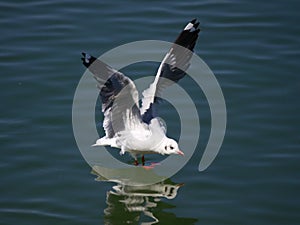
(104, 141)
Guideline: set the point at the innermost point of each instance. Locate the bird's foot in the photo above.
(123, 150)
(151, 166)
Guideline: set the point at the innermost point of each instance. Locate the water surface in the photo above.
(251, 46)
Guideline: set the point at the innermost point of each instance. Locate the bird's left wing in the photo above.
(171, 69)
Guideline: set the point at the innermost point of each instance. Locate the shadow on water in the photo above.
(142, 204)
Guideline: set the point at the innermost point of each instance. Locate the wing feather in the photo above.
(171, 69)
(118, 94)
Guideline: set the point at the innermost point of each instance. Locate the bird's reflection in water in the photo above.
(142, 204)
(139, 203)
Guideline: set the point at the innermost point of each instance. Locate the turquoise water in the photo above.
(251, 46)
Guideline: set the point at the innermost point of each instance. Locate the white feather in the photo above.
(189, 26)
(149, 94)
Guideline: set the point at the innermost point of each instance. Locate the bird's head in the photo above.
(170, 146)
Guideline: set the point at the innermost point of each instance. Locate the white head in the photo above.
(170, 146)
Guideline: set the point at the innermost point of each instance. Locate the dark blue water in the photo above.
(251, 46)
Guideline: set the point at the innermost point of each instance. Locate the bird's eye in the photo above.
(166, 147)
(171, 147)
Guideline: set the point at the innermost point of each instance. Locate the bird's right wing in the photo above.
(118, 93)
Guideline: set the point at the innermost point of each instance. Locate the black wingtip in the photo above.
(87, 59)
(83, 55)
(188, 36)
(195, 24)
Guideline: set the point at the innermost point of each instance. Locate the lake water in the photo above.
(251, 46)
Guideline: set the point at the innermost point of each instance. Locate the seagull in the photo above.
(128, 126)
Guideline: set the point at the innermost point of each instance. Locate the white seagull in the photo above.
(127, 126)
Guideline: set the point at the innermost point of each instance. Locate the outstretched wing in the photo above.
(172, 68)
(118, 94)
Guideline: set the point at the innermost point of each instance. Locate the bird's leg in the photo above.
(136, 163)
(143, 160)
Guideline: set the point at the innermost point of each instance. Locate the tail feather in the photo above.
(104, 141)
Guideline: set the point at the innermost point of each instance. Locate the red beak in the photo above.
(180, 152)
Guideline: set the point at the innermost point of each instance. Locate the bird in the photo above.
(132, 127)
